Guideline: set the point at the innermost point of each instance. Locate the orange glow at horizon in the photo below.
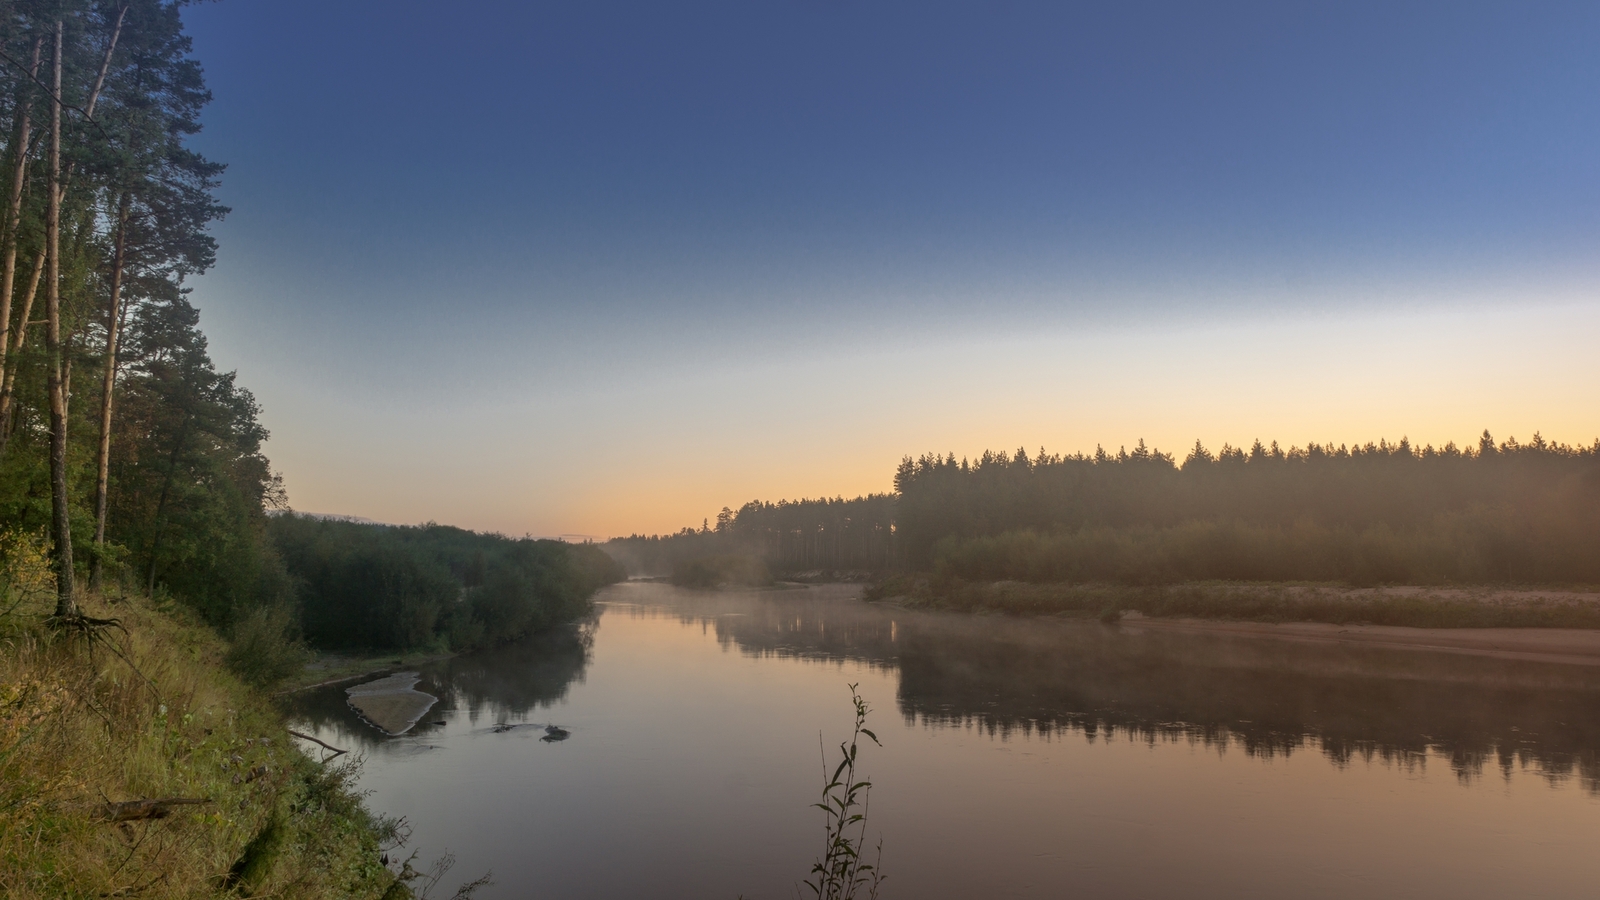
(671, 454)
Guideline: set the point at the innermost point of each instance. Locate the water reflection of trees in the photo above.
(1045, 678)
(510, 681)
(820, 623)
(505, 683)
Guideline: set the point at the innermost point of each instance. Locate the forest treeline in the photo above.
(1379, 513)
(130, 467)
(432, 586)
(120, 443)
(123, 450)
(791, 536)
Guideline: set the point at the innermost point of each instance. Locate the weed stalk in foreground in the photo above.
(842, 873)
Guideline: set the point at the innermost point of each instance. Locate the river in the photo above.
(1020, 758)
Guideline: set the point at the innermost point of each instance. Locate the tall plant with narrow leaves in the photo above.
(842, 872)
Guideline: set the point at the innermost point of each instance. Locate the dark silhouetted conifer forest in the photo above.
(1494, 513)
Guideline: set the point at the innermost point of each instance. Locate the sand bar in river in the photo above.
(391, 703)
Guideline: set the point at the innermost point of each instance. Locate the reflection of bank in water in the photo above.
(392, 703)
(504, 683)
(1010, 676)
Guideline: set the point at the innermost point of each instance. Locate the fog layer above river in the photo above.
(1034, 758)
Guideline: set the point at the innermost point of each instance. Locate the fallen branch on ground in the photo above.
(131, 810)
(307, 737)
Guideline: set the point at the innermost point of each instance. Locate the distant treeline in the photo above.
(1382, 513)
(1373, 514)
(402, 587)
(789, 536)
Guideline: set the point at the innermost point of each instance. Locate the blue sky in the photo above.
(603, 267)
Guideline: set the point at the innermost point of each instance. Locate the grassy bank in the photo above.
(152, 713)
(1482, 607)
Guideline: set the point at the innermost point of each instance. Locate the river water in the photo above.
(1020, 758)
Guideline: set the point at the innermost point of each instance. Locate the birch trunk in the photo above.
(107, 386)
(60, 518)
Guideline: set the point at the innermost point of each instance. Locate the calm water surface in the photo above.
(1021, 758)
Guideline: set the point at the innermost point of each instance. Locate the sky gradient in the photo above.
(592, 269)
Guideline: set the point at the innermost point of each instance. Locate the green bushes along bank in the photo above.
(431, 586)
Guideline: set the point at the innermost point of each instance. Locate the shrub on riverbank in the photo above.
(432, 586)
(153, 713)
(722, 571)
(1251, 602)
(1480, 546)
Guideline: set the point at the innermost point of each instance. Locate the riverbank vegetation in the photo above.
(141, 465)
(789, 537)
(1257, 602)
(722, 571)
(132, 763)
(842, 871)
(133, 471)
(119, 439)
(431, 587)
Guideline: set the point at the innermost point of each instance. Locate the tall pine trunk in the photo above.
(58, 190)
(107, 387)
(8, 381)
(13, 222)
(60, 508)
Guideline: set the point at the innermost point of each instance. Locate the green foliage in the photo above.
(791, 536)
(722, 571)
(842, 872)
(1381, 514)
(1259, 602)
(155, 714)
(255, 862)
(263, 650)
(187, 482)
(1376, 514)
(191, 484)
(401, 587)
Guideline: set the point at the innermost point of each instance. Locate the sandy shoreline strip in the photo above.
(391, 703)
(1573, 646)
(361, 669)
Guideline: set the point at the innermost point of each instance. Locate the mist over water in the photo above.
(1021, 757)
